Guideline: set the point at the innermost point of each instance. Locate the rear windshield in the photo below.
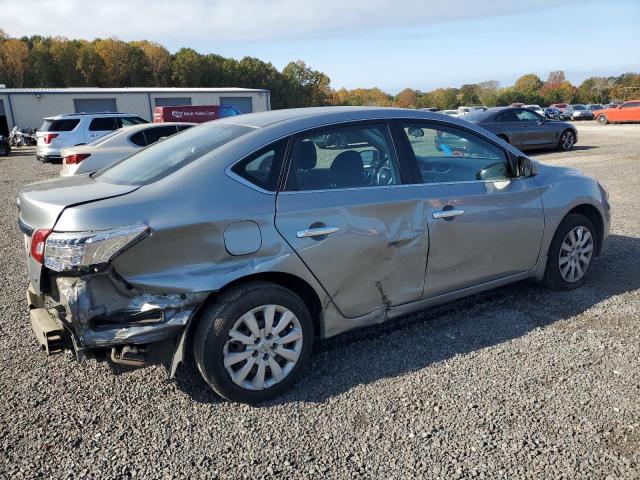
(578, 107)
(477, 115)
(104, 138)
(165, 157)
(59, 125)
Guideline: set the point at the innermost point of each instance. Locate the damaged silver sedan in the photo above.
(243, 241)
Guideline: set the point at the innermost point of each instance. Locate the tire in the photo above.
(557, 274)
(567, 140)
(602, 119)
(250, 357)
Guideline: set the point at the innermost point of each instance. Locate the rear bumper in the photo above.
(75, 316)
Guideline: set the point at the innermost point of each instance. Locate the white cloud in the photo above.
(177, 23)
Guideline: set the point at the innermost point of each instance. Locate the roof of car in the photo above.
(330, 114)
(82, 114)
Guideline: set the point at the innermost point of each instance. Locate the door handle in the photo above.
(316, 232)
(447, 213)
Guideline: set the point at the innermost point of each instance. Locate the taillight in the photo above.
(75, 158)
(48, 137)
(38, 240)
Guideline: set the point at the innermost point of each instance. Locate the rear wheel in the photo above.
(567, 140)
(602, 119)
(571, 253)
(253, 342)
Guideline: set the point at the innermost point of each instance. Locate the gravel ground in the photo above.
(521, 382)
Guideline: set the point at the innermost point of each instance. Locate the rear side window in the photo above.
(59, 125)
(509, 116)
(263, 167)
(163, 158)
(103, 124)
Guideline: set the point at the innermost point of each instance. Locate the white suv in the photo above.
(77, 129)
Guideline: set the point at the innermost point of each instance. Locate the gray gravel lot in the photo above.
(521, 382)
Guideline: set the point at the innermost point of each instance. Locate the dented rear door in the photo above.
(375, 250)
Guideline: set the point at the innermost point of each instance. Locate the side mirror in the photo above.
(527, 167)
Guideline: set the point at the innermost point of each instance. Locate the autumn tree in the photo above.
(115, 57)
(64, 53)
(557, 76)
(187, 69)
(156, 63)
(594, 90)
(15, 60)
(445, 98)
(309, 87)
(558, 92)
(90, 65)
(407, 98)
(469, 94)
(529, 86)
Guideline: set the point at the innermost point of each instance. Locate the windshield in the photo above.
(167, 156)
(578, 107)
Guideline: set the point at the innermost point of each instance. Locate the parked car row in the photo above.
(613, 112)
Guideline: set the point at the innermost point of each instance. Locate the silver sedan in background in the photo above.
(244, 241)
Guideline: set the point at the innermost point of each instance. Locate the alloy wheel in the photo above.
(263, 347)
(575, 254)
(567, 140)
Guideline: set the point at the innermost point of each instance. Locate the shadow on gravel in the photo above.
(437, 334)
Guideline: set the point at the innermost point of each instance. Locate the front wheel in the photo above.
(570, 253)
(253, 343)
(602, 119)
(567, 140)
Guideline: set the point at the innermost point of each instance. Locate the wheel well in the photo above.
(592, 214)
(297, 285)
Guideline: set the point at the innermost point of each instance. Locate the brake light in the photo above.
(38, 240)
(76, 158)
(48, 137)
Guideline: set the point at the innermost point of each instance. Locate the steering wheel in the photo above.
(384, 176)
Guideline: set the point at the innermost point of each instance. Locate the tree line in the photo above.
(38, 61)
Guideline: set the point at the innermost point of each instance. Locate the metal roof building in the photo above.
(26, 107)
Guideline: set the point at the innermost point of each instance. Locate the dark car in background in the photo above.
(524, 128)
(552, 112)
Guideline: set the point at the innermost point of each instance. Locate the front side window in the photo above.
(163, 158)
(447, 154)
(263, 167)
(103, 124)
(349, 157)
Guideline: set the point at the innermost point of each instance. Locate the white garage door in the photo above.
(241, 103)
(93, 105)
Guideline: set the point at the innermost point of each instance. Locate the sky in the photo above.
(391, 44)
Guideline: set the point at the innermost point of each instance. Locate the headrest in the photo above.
(304, 156)
(347, 170)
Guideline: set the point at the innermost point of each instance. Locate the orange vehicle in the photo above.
(627, 112)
